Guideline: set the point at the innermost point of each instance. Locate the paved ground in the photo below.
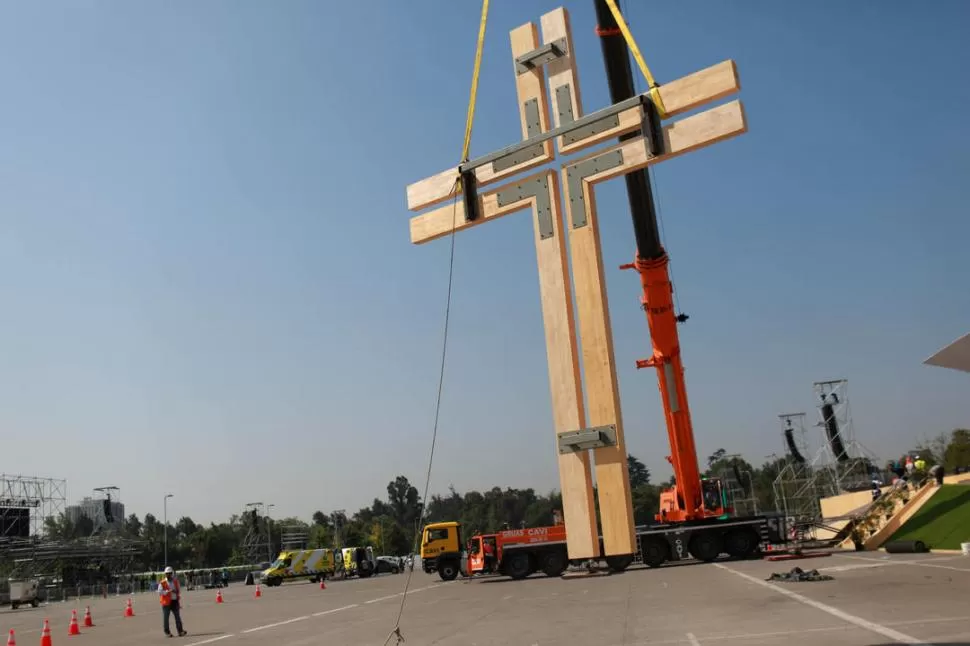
(875, 599)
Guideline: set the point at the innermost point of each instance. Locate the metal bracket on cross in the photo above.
(652, 140)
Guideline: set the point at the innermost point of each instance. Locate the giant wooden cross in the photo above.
(597, 425)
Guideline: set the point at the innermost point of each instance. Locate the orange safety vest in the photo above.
(166, 596)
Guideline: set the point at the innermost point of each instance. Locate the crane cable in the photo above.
(637, 56)
(466, 145)
(651, 171)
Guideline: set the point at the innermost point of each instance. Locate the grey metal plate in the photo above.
(564, 104)
(587, 438)
(541, 55)
(533, 128)
(574, 179)
(539, 189)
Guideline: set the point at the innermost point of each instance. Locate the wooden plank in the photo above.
(565, 384)
(562, 71)
(697, 89)
(692, 133)
(531, 85)
(684, 136)
(679, 96)
(602, 391)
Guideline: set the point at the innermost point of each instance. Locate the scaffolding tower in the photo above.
(839, 464)
(26, 503)
(294, 537)
(852, 464)
(800, 485)
(256, 544)
(737, 485)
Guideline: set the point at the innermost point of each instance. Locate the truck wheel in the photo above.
(619, 563)
(14, 605)
(654, 552)
(448, 570)
(741, 543)
(35, 602)
(705, 546)
(519, 566)
(553, 564)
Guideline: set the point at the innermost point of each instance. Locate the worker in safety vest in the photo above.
(170, 594)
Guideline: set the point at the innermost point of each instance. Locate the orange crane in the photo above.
(689, 498)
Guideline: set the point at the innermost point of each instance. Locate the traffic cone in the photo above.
(219, 596)
(323, 586)
(10, 640)
(129, 611)
(88, 622)
(73, 629)
(45, 635)
(258, 592)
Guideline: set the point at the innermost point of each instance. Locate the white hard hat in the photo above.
(169, 570)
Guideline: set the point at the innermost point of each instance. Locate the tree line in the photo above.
(392, 525)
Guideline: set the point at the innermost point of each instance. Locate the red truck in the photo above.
(519, 552)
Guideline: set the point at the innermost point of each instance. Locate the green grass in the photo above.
(943, 522)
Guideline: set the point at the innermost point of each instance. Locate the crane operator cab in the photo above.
(714, 500)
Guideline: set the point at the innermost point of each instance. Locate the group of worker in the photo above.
(909, 468)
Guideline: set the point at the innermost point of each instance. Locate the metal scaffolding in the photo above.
(26, 503)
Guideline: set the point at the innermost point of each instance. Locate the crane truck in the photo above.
(692, 518)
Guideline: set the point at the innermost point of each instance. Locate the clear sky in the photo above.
(208, 287)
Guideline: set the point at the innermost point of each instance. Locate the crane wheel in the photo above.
(553, 563)
(519, 566)
(619, 563)
(741, 543)
(705, 546)
(655, 552)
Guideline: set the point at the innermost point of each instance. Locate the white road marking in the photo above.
(330, 612)
(278, 623)
(209, 641)
(693, 640)
(886, 561)
(390, 596)
(835, 612)
(846, 568)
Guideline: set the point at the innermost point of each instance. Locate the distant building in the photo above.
(103, 513)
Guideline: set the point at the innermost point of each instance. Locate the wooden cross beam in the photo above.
(540, 192)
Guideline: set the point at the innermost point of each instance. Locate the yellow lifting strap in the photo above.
(637, 56)
(470, 116)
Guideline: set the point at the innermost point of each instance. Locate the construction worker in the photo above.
(170, 594)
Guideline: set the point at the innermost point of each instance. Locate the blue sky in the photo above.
(208, 286)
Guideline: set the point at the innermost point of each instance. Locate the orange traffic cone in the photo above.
(10, 640)
(88, 622)
(129, 611)
(258, 593)
(45, 635)
(218, 596)
(73, 629)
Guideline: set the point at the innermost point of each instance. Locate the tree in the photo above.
(717, 456)
(639, 473)
(957, 452)
(405, 501)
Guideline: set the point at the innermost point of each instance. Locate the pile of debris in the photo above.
(798, 575)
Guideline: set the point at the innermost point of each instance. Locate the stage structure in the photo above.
(38, 551)
(26, 503)
(840, 464)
